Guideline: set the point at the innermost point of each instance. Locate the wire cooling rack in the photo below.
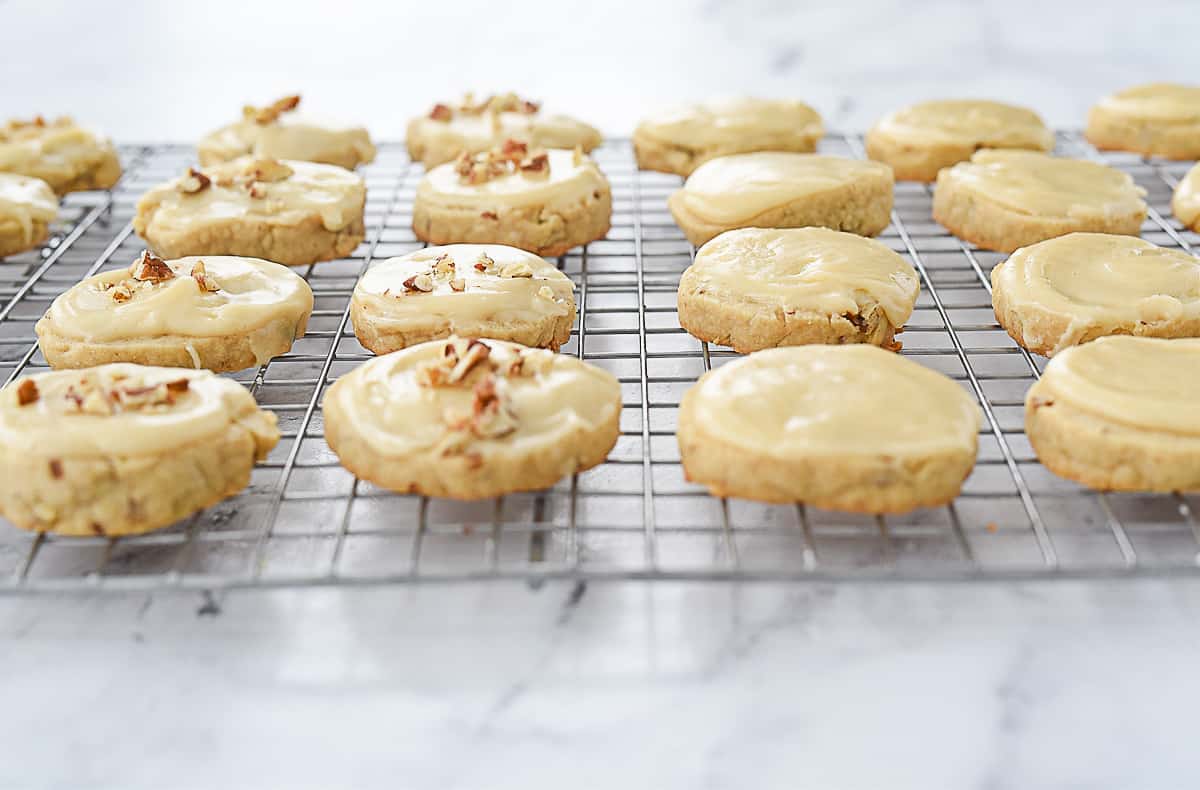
(306, 521)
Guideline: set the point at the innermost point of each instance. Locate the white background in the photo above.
(1081, 685)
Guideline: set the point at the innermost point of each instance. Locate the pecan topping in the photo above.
(91, 395)
(476, 353)
(256, 191)
(492, 416)
(56, 469)
(267, 171)
(489, 215)
(512, 156)
(421, 283)
(121, 293)
(443, 266)
(536, 163)
(517, 269)
(194, 181)
(151, 268)
(484, 262)
(441, 112)
(270, 113)
(204, 280)
(27, 392)
(458, 284)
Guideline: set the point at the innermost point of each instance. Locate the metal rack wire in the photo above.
(306, 521)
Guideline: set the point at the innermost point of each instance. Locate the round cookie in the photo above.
(851, 428)
(756, 288)
(920, 140)
(463, 289)
(1158, 119)
(124, 449)
(773, 189)
(680, 139)
(65, 155)
(219, 313)
(469, 419)
(1120, 414)
(27, 207)
(1002, 200)
(289, 212)
(278, 132)
(471, 127)
(1075, 288)
(1185, 202)
(545, 202)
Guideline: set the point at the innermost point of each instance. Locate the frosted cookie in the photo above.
(543, 201)
(27, 207)
(124, 449)
(290, 212)
(783, 190)
(1120, 414)
(680, 139)
(1002, 200)
(469, 419)
(1185, 202)
(216, 312)
(758, 288)
(463, 289)
(852, 428)
(472, 127)
(920, 140)
(277, 131)
(65, 155)
(1159, 119)
(1075, 288)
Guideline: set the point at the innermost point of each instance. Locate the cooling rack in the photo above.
(306, 521)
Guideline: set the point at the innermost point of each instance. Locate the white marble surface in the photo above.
(661, 686)
(1052, 685)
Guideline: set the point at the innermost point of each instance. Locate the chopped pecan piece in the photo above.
(56, 468)
(267, 171)
(194, 181)
(458, 284)
(476, 353)
(27, 392)
(514, 150)
(441, 112)
(489, 215)
(178, 386)
(265, 115)
(517, 269)
(95, 403)
(537, 163)
(122, 293)
(484, 262)
(206, 281)
(443, 266)
(151, 268)
(421, 283)
(493, 419)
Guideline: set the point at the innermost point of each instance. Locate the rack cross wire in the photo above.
(305, 521)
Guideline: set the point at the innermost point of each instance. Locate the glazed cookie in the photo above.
(66, 156)
(1075, 288)
(469, 419)
(852, 428)
(920, 140)
(473, 127)
(1120, 414)
(278, 132)
(756, 288)
(543, 201)
(783, 190)
(1159, 119)
(27, 207)
(1002, 200)
(681, 139)
(1185, 203)
(124, 449)
(463, 289)
(217, 312)
(290, 212)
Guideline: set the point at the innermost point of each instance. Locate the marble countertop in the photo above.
(659, 685)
